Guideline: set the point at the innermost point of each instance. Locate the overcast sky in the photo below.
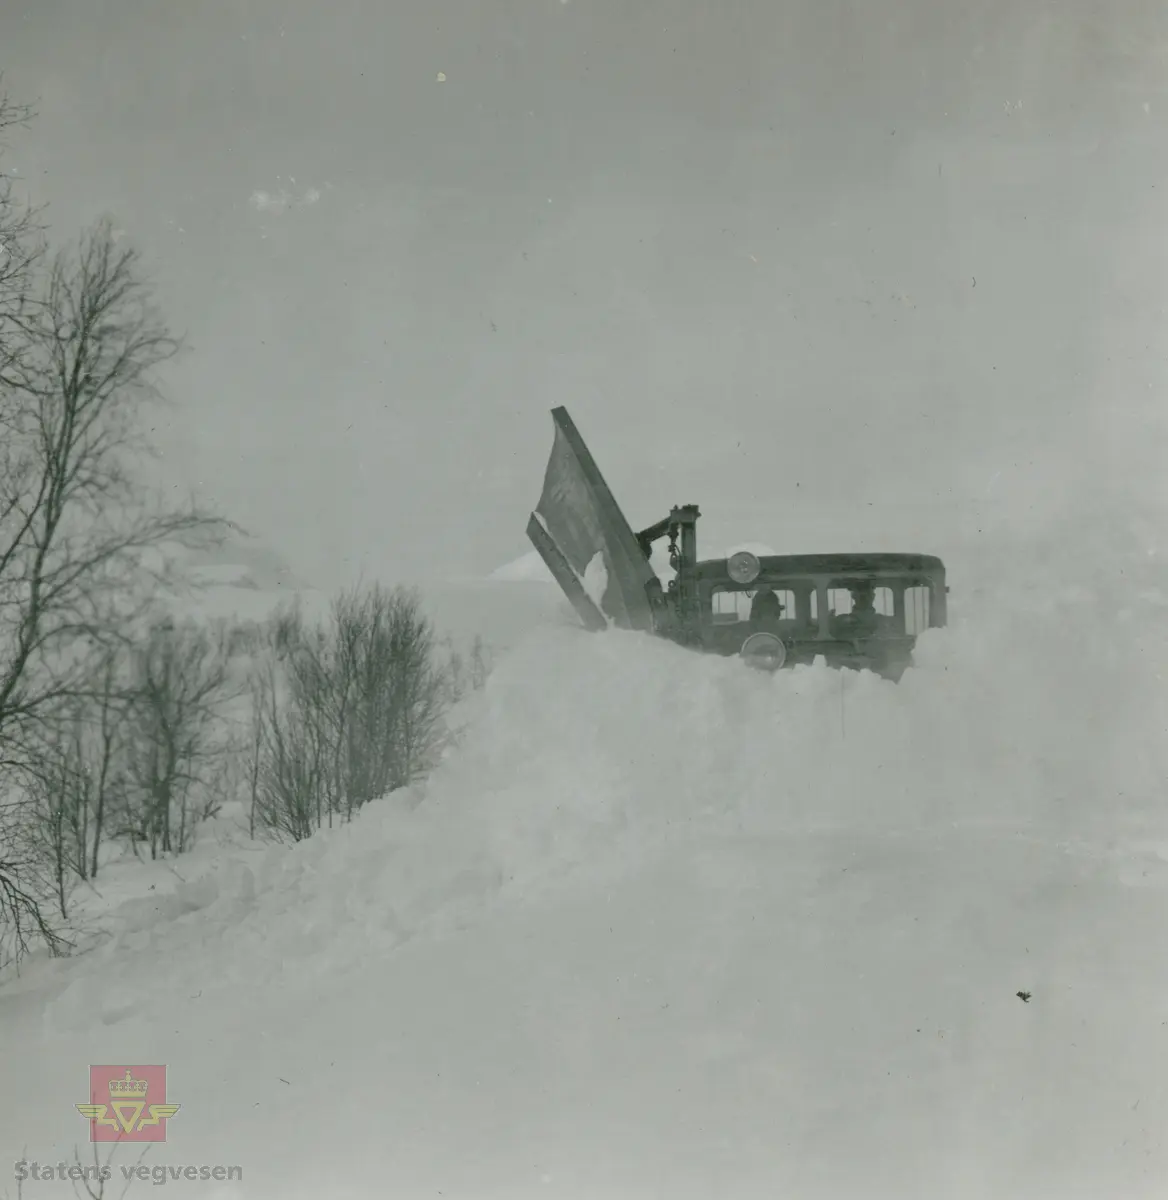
(843, 273)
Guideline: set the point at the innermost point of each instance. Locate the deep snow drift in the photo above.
(663, 927)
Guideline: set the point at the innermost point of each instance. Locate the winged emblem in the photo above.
(128, 1117)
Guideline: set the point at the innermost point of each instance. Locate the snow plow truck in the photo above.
(861, 611)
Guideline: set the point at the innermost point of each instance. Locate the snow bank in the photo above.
(663, 926)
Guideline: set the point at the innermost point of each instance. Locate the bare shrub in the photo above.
(177, 743)
(77, 766)
(348, 710)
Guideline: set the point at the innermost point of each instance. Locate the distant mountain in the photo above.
(241, 579)
(244, 562)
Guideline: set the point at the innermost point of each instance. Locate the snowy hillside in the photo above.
(666, 928)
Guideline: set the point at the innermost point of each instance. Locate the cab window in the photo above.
(732, 605)
(839, 601)
(916, 609)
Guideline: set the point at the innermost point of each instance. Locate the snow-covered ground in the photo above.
(663, 927)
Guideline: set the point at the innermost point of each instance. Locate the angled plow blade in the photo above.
(576, 521)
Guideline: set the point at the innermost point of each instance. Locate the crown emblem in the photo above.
(127, 1116)
(128, 1088)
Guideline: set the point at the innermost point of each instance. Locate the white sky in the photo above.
(740, 241)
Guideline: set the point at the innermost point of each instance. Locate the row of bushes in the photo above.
(297, 723)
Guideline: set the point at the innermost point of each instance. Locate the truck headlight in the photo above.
(743, 567)
(763, 651)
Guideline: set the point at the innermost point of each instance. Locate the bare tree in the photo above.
(178, 742)
(394, 689)
(109, 706)
(466, 672)
(73, 526)
(413, 708)
(26, 886)
(255, 751)
(21, 249)
(78, 762)
(349, 711)
(80, 343)
(289, 771)
(59, 794)
(482, 661)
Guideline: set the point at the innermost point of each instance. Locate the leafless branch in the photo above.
(73, 525)
(80, 540)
